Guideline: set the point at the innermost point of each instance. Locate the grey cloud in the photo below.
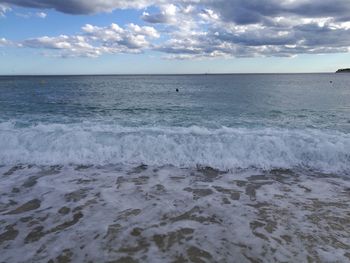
(81, 6)
(309, 38)
(255, 11)
(258, 38)
(168, 14)
(312, 8)
(238, 11)
(155, 18)
(207, 28)
(274, 28)
(323, 37)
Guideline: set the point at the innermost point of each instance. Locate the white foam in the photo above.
(292, 221)
(223, 148)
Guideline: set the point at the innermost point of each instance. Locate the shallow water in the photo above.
(245, 168)
(167, 214)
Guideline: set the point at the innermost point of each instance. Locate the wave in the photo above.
(222, 148)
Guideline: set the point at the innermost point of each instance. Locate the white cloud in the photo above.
(167, 15)
(4, 9)
(41, 15)
(206, 28)
(209, 15)
(30, 15)
(132, 37)
(3, 42)
(95, 41)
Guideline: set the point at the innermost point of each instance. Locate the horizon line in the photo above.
(161, 74)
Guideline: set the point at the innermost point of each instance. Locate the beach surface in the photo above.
(167, 214)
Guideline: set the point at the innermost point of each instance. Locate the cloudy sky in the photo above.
(180, 36)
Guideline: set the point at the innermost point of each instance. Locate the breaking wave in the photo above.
(223, 148)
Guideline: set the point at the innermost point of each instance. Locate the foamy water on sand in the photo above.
(167, 214)
(232, 168)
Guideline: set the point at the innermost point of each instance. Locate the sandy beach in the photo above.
(167, 214)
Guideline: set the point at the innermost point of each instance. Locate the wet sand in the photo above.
(167, 214)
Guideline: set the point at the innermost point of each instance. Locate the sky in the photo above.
(175, 37)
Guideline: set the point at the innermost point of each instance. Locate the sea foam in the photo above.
(222, 148)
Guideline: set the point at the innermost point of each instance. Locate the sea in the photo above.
(175, 168)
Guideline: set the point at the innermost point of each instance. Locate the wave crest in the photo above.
(223, 148)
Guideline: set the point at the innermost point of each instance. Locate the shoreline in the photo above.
(157, 214)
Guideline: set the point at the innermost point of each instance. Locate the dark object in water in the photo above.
(177, 90)
(330, 81)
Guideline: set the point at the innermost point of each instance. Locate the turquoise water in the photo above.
(222, 121)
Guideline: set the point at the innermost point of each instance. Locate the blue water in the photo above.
(222, 121)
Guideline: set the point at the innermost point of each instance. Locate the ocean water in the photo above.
(251, 167)
(221, 121)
